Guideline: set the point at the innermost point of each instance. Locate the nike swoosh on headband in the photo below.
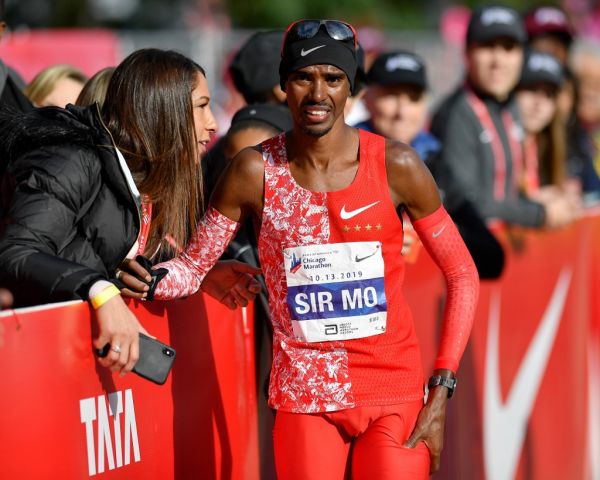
(304, 53)
(352, 213)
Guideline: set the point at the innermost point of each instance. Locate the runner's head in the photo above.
(318, 71)
(319, 42)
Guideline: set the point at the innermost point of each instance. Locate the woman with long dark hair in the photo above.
(87, 190)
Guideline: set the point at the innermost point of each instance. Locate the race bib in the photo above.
(336, 291)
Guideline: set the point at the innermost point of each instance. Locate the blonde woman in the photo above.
(56, 86)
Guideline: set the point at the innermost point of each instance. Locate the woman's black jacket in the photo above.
(69, 214)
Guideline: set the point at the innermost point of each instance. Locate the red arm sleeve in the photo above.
(187, 270)
(446, 247)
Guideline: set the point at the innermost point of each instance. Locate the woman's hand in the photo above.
(118, 326)
(232, 283)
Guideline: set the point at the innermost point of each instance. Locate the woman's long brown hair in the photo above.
(148, 110)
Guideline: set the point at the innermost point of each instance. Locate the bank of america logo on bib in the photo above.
(295, 263)
(336, 291)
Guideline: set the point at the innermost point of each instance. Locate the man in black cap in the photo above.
(479, 125)
(397, 103)
(396, 97)
(347, 379)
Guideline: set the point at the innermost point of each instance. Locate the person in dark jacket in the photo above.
(87, 190)
(480, 128)
(396, 99)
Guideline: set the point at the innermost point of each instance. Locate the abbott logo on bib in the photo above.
(336, 291)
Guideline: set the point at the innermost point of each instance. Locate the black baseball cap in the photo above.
(493, 22)
(254, 68)
(398, 67)
(540, 67)
(277, 116)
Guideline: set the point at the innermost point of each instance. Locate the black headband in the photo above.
(318, 50)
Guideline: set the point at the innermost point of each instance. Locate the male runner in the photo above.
(347, 381)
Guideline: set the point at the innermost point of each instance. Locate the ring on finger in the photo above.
(119, 273)
(116, 349)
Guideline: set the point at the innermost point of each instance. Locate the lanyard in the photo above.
(500, 161)
(531, 176)
(145, 226)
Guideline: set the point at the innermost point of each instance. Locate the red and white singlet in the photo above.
(343, 333)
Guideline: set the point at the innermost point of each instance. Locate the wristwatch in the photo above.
(449, 383)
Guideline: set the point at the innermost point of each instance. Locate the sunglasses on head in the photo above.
(305, 29)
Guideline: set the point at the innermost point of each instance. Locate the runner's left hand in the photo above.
(232, 283)
(429, 428)
(135, 278)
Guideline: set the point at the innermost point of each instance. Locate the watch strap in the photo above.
(448, 382)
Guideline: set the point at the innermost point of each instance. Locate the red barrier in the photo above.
(521, 409)
(527, 405)
(64, 416)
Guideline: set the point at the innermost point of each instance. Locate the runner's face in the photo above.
(316, 96)
(397, 112)
(495, 67)
(537, 106)
(204, 120)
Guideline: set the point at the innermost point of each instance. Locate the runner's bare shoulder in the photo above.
(409, 178)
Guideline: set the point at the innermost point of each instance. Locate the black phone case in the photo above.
(156, 360)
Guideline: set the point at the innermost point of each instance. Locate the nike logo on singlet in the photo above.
(508, 419)
(304, 53)
(353, 213)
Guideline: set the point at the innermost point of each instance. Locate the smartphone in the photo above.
(155, 362)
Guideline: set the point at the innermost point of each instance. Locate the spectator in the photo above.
(479, 124)
(94, 90)
(579, 144)
(10, 83)
(77, 206)
(586, 65)
(544, 173)
(550, 31)
(56, 86)
(254, 68)
(396, 100)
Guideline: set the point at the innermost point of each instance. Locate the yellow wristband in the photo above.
(104, 296)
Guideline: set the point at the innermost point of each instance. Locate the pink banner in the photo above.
(29, 52)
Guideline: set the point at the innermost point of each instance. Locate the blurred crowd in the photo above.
(517, 142)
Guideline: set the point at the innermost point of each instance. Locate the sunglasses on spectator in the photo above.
(305, 29)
